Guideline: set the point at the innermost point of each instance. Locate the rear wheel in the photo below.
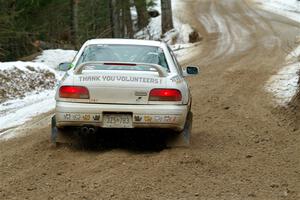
(183, 138)
(61, 136)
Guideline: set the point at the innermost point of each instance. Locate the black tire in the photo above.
(61, 136)
(182, 138)
(54, 132)
(187, 132)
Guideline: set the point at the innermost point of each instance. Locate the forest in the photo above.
(28, 26)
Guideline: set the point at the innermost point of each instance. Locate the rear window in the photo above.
(124, 53)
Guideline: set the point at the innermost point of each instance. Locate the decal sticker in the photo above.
(89, 78)
(76, 117)
(147, 118)
(96, 117)
(86, 117)
(170, 119)
(67, 116)
(64, 77)
(80, 117)
(138, 118)
(167, 118)
(177, 79)
(109, 78)
(156, 119)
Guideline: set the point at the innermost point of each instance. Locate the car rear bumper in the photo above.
(143, 116)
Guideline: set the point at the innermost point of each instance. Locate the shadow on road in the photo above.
(133, 140)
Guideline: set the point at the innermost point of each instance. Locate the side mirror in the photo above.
(191, 71)
(64, 66)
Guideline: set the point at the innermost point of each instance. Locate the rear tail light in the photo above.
(165, 95)
(74, 92)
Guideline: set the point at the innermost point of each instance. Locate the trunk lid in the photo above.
(120, 87)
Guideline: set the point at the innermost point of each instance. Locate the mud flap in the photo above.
(61, 137)
(53, 130)
(183, 138)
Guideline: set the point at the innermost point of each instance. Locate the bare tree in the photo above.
(166, 16)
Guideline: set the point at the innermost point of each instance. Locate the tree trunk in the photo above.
(115, 18)
(166, 16)
(74, 22)
(143, 17)
(128, 25)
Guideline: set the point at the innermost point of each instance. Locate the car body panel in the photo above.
(124, 91)
(151, 116)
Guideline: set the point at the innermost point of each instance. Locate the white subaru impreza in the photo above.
(122, 83)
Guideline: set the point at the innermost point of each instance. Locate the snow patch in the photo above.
(53, 57)
(287, 8)
(294, 55)
(179, 35)
(284, 85)
(183, 50)
(19, 78)
(16, 112)
(34, 100)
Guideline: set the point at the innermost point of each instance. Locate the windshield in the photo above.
(124, 53)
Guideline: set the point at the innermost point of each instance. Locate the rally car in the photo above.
(123, 83)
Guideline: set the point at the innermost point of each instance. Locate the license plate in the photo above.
(117, 121)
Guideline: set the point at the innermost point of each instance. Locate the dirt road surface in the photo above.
(243, 146)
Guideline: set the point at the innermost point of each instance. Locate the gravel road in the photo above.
(243, 146)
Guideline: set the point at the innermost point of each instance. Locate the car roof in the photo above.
(125, 42)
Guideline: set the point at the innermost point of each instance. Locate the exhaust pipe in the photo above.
(92, 130)
(84, 130)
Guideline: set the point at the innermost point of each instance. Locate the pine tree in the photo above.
(143, 17)
(74, 22)
(115, 18)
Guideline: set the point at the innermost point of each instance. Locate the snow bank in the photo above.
(293, 56)
(27, 88)
(183, 50)
(19, 78)
(23, 66)
(287, 8)
(52, 58)
(179, 35)
(284, 85)
(16, 112)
